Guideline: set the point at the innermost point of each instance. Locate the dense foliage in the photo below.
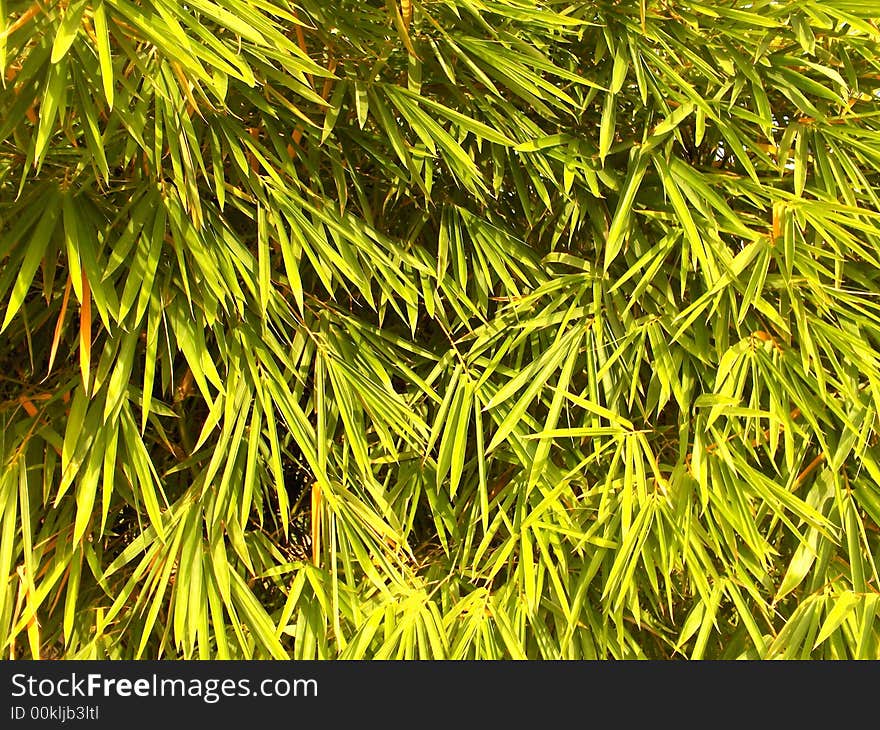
(461, 328)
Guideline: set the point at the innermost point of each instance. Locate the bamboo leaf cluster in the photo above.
(468, 329)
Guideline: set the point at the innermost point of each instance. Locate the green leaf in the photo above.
(35, 250)
(617, 233)
(68, 30)
(103, 47)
